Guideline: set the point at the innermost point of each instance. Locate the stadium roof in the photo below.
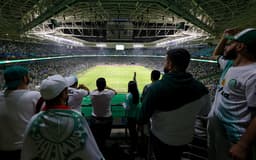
(140, 21)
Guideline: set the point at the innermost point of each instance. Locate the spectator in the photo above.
(132, 107)
(168, 101)
(146, 151)
(155, 75)
(101, 120)
(76, 93)
(234, 104)
(57, 131)
(17, 106)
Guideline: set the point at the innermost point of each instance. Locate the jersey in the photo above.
(234, 98)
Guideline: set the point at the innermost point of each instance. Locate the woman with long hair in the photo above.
(131, 107)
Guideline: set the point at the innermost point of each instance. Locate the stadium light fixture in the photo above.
(177, 41)
(185, 37)
(138, 45)
(61, 40)
(101, 45)
(76, 56)
(119, 47)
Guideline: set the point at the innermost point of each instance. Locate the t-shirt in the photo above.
(131, 108)
(224, 66)
(101, 102)
(233, 100)
(16, 109)
(75, 97)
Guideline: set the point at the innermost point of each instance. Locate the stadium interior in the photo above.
(70, 36)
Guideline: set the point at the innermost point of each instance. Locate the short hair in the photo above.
(155, 75)
(179, 57)
(101, 83)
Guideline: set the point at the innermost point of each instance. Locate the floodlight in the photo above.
(177, 41)
(138, 45)
(102, 45)
(61, 40)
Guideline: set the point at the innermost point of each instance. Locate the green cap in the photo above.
(247, 36)
(13, 76)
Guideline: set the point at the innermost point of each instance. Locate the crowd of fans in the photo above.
(11, 50)
(206, 72)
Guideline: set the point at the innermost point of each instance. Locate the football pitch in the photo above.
(117, 76)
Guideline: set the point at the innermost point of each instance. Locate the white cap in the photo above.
(71, 80)
(52, 86)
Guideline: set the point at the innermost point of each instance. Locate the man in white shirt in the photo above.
(76, 93)
(101, 120)
(58, 132)
(234, 105)
(17, 106)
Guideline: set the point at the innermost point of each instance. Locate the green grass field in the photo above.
(117, 76)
